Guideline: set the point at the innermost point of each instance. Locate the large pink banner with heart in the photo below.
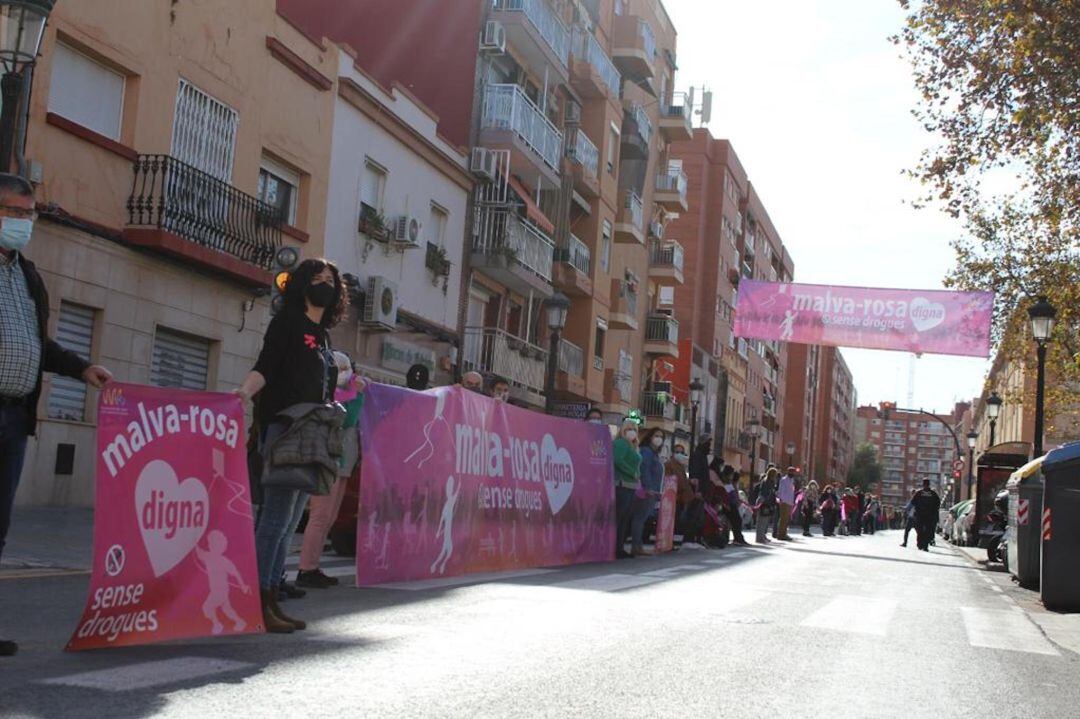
(453, 482)
(935, 321)
(174, 551)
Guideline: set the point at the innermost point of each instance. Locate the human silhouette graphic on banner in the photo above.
(446, 528)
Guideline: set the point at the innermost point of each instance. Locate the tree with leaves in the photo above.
(1000, 85)
(865, 470)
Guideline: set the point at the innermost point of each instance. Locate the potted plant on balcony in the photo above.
(437, 262)
(373, 223)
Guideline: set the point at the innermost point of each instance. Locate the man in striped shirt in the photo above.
(25, 348)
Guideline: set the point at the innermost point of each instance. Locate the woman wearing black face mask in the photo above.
(294, 367)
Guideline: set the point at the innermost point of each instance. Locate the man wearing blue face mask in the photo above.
(25, 349)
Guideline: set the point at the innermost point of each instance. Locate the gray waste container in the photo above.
(1024, 533)
(1060, 578)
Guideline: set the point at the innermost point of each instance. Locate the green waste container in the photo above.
(1024, 536)
(1059, 582)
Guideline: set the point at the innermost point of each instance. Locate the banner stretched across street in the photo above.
(174, 554)
(935, 321)
(454, 482)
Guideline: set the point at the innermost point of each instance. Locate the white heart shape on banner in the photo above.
(172, 515)
(925, 314)
(558, 471)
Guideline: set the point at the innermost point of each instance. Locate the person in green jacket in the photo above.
(627, 481)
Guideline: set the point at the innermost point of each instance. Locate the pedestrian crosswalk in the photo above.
(1010, 629)
(856, 615)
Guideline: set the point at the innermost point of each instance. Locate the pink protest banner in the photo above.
(936, 321)
(174, 550)
(665, 521)
(454, 482)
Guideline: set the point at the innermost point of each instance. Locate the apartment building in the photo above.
(911, 447)
(802, 396)
(174, 149)
(821, 437)
(726, 235)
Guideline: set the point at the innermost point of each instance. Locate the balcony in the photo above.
(623, 314)
(510, 120)
(513, 251)
(671, 185)
(662, 336)
(630, 223)
(633, 47)
(666, 261)
(493, 351)
(179, 211)
(585, 158)
(573, 269)
(592, 73)
(536, 33)
(571, 376)
(675, 118)
(659, 410)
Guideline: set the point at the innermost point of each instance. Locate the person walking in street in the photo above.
(909, 517)
(627, 479)
(830, 510)
(808, 503)
(766, 505)
(323, 511)
(786, 496)
(294, 367)
(652, 480)
(927, 504)
(26, 350)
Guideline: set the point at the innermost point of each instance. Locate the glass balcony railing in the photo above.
(648, 40)
(641, 119)
(628, 297)
(635, 210)
(546, 22)
(673, 179)
(586, 46)
(507, 107)
(582, 151)
(571, 358)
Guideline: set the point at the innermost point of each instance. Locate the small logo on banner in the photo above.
(1046, 524)
(1022, 512)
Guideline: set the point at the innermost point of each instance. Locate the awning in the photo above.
(532, 210)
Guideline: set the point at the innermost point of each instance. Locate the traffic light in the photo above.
(285, 259)
(956, 474)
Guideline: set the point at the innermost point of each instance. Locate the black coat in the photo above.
(54, 358)
(927, 504)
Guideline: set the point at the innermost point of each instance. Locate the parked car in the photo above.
(962, 525)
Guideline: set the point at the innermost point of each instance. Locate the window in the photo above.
(436, 229)
(601, 335)
(279, 187)
(204, 132)
(74, 331)
(667, 295)
(612, 147)
(180, 360)
(85, 91)
(372, 187)
(605, 247)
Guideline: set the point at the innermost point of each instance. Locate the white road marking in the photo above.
(149, 674)
(1009, 629)
(609, 582)
(441, 582)
(858, 615)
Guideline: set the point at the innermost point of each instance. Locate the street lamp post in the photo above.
(972, 437)
(696, 389)
(1042, 315)
(753, 427)
(557, 307)
(22, 25)
(993, 411)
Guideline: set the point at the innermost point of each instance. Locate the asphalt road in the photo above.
(840, 627)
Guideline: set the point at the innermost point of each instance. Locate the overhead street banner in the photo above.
(453, 482)
(174, 552)
(935, 321)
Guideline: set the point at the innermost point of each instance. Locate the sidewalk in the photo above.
(50, 537)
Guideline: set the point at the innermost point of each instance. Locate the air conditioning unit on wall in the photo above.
(494, 39)
(381, 304)
(483, 163)
(407, 231)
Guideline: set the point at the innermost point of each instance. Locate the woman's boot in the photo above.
(294, 623)
(271, 619)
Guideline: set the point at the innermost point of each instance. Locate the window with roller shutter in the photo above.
(180, 360)
(75, 332)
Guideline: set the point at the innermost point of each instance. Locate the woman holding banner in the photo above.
(627, 481)
(294, 367)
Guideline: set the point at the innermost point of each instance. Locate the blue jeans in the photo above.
(13, 428)
(278, 518)
(624, 505)
(642, 509)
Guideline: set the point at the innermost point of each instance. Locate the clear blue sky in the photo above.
(817, 102)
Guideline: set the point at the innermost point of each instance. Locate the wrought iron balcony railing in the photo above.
(661, 328)
(571, 358)
(667, 253)
(658, 404)
(635, 209)
(578, 255)
(582, 151)
(507, 107)
(546, 22)
(587, 47)
(494, 351)
(641, 119)
(175, 197)
(503, 232)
